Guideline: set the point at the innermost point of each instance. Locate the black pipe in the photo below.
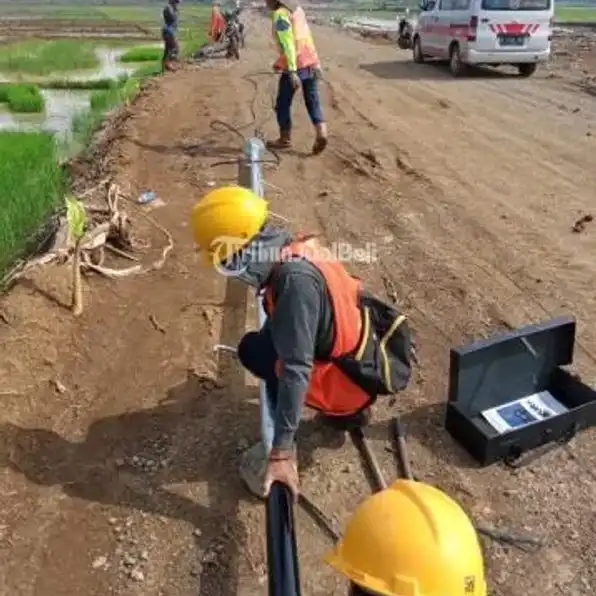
(282, 552)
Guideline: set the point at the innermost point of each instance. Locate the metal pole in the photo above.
(282, 560)
(250, 176)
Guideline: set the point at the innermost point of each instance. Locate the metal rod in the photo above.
(372, 465)
(400, 449)
(282, 551)
(250, 176)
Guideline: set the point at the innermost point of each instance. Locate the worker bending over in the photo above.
(326, 343)
(217, 24)
(299, 65)
(169, 33)
(410, 539)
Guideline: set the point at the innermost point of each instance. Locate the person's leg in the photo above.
(257, 355)
(166, 52)
(175, 48)
(310, 90)
(169, 48)
(283, 112)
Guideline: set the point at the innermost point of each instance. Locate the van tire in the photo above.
(456, 66)
(527, 70)
(417, 54)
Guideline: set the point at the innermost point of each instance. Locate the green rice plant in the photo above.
(84, 125)
(32, 185)
(22, 97)
(147, 70)
(142, 54)
(101, 101)
(87, 84)
(37, 57)
(104, 99)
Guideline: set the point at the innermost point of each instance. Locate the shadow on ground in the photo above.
(435, 71)
(192, 436)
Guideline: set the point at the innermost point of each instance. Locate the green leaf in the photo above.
(76, 217)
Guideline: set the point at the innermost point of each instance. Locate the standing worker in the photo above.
(169, 32)
(298, 64)
(217, 24)
(326, 343)
(410, 539)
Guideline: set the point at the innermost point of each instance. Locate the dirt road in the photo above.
(121, 432)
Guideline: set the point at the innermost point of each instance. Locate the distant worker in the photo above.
(299, 65)
(217, 24)
(169, 33)
(327, 343)
(410, 539)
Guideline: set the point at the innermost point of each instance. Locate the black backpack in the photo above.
(381, 362)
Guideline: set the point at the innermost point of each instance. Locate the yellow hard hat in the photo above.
(411, 540)
(225, 220)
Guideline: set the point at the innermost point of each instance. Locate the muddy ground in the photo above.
(121, 431)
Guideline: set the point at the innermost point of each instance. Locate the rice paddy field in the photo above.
(63, 68)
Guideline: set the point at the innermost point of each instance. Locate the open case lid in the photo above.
(490, 372)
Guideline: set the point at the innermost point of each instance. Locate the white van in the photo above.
(488, 32)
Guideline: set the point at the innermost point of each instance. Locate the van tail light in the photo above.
(472, 28)
(551, 24)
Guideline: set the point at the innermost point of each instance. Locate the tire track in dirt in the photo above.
(497, 228)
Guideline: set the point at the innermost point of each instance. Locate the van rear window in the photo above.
(516, 4)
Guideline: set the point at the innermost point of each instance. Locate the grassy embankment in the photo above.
(30, 178)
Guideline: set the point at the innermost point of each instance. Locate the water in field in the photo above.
(61, 106)
(109, 67)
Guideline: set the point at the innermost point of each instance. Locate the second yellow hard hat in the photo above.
(411, 540)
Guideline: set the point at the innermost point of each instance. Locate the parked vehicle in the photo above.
(485, 32)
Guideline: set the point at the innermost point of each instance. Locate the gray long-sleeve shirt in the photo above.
(301, 328)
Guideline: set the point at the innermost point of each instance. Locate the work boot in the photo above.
(252, 469)
(321, 139)
(283, 142)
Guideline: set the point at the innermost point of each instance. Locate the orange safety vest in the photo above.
(217, 24)
(330, 390)
(306, 53)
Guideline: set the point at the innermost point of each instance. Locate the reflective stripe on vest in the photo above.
(306, 53)
(330, 390)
